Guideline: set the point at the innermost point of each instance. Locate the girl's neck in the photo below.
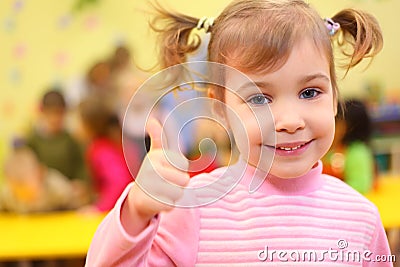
(274, 185)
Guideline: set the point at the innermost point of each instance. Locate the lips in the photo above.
(290, 149)
(291, 146)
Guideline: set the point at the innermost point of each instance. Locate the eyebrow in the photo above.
(311, 77)
(302, 80)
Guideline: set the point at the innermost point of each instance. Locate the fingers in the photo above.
(173, 159)
(169, 166)
(163, 175)
(174, 176)
(161, 181)
(154, 129)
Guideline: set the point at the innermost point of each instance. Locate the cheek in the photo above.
(251, 128)
(237, 123)
(326, 121)
(240, 127)
(324, 129)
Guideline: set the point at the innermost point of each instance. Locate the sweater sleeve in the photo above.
(378, 253)
(157, 245)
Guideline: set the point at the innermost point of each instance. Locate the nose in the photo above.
(288, 119)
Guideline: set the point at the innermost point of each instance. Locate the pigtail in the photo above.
(175, 37)
(362, 31)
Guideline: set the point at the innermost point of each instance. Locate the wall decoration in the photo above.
(19, 51)
(92, 22)
(18, 5)
(7, 109)
(64, 21)
(80, 4)
(9, 24)
(15, 76)
(61, 58)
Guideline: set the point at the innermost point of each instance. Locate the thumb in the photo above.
(154, 129)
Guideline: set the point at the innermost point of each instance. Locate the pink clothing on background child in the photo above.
(314, 212)
(109, 171)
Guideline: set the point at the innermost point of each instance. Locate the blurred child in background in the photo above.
(125, 79)
(101, 79)
(359, 167)
(29, 186)
(55, 147)
(350, 157)
(101, 128)
(49, 139)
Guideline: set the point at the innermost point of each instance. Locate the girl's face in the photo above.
(300, 98)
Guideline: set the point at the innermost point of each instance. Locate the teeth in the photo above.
(290, 148)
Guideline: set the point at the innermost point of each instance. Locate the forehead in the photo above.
(261, 38)
(305, 61)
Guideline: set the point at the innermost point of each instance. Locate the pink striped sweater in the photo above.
(313, 220)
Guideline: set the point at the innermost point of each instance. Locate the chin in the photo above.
(288, 172)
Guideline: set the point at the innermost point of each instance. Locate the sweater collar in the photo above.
(274, 185)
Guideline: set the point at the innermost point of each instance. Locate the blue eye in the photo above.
(259, 100)
(309, 93)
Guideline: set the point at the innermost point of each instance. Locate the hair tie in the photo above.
(332, 26)
(205, 23)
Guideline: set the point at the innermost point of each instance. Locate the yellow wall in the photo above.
(42, 43)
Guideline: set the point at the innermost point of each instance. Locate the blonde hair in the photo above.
(258, 35)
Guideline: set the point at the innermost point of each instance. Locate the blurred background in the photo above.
(46, 43)
(71, 45)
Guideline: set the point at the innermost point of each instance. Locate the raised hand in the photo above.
(160, 182)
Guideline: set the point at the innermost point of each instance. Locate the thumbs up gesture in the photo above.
(161, 179)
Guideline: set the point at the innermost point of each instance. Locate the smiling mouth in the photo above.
(290, 146)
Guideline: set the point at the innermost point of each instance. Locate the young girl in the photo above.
(298, 216)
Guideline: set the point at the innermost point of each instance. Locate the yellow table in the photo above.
(68, 234)
(44, 236)
(387, 198)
